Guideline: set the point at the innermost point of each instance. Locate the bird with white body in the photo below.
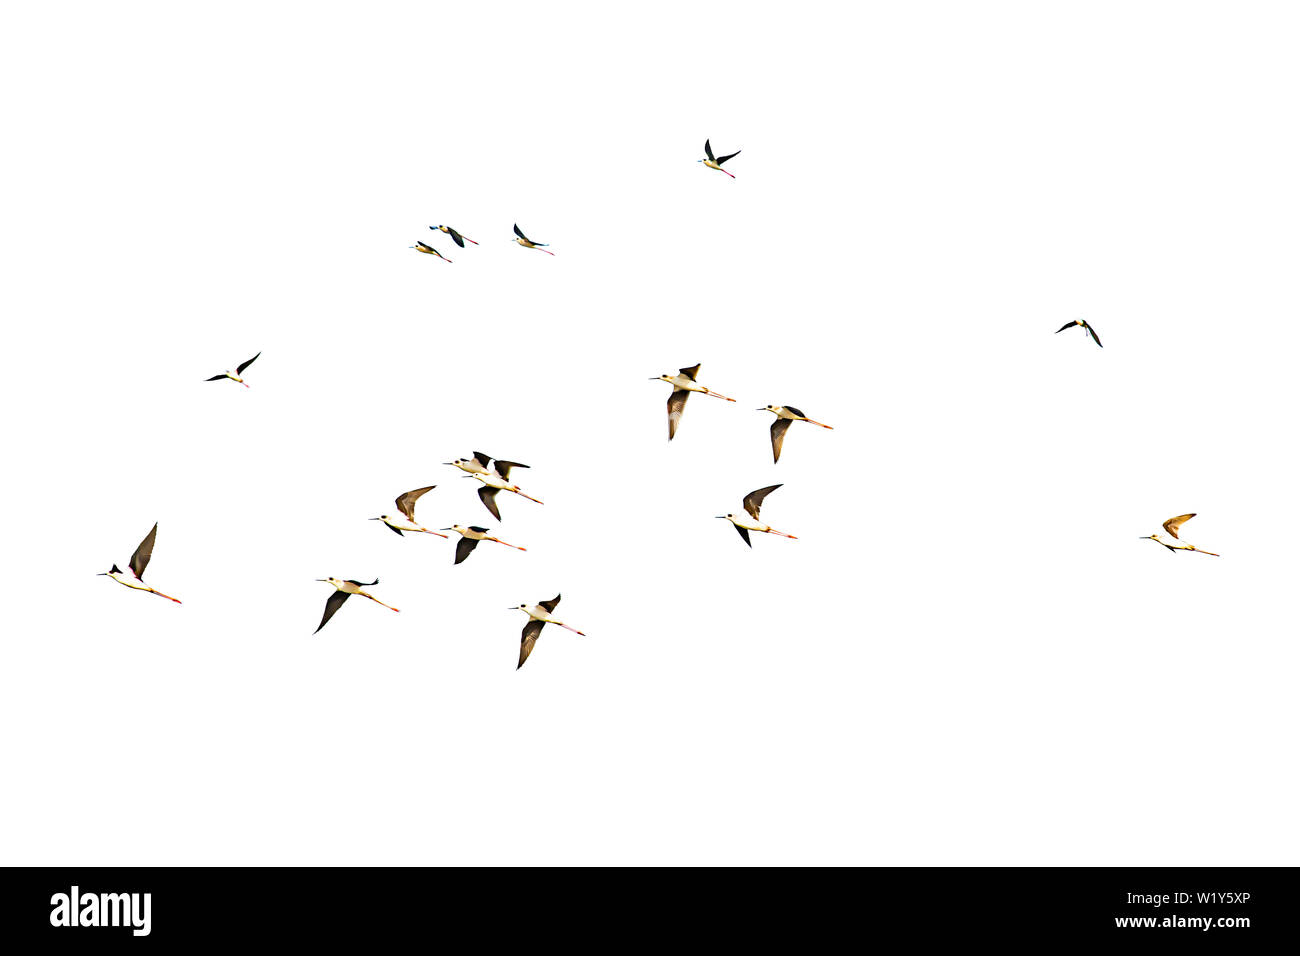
(404, 520)
(495, 480)
(754, 501)
(785, 416)
(139, 561)
(342, 591)
(1172, 526)
(235, 376)
(716, 163)
(471, 535)
(683, 384)
(539, 615)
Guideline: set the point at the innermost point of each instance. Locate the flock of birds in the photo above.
(493, 474)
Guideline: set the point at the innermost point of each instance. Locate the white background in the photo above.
(967, 657)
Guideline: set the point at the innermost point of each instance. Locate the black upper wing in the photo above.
(334, 602)
(779, 428)
(239, 369)
(140, 560)
(550, 605)
(708, 150)
(463, 547)
(489, 498)
(754, 500)
(723, 159)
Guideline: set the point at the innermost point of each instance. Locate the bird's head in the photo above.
(662, 378)
(769, 408)
(334, 581)
(459, 529)
(728, 517)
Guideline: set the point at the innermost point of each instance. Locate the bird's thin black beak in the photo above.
(719, 516)
(444, 529)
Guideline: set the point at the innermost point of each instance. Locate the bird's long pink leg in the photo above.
(1210, 553)
(169, 597)
(376, 600)
(529, 497)
(427, 531)
(781, 533)
(721, 170)
(709, 391)
(573, 629)
(508, 544)
(811, 422)
(468, 239)
(245, 384)
(547, 251)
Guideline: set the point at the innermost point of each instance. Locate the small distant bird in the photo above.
(528, 243)
(139, 561)
(498, 479)
(1086, 328)
(470, 537)
(539, 615)
(406, 508)
(478, 465)
(343, 591)
(683, 384)
(716, 163)
(753, 501)
(456, 237)
(239, 370)
(785, 414)
(422, 247)
(1172, 526)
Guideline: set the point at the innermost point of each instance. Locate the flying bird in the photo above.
(470, 537)
(139, 561)
(716, 163)
(478, 465)
(539, 615)
(406, 508)
(528, 243)
(1086, 328)
(683, 384)
(239, 370)
(343, 591)
(785, 415)
(456, 237)
(496, 480)
(754, 501)
(1172, 526)
(423, 247)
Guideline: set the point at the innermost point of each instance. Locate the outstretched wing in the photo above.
(550, 605)
(779, 428)
(744, 534)
(406, 503)
(531, 630)
(217, 378)
(397, 531)
(463, 547)
(240, 368)
(503, 467)
(723, 159)
(489, 498)
(708, 150)
(140, 560)
(1093, 333)
(1067, 325)
(676, 405)
(482, 459)
(519, 232)
(456, 237)
(1173, 524)
(334, 602)
(754, 500)
(690, 372)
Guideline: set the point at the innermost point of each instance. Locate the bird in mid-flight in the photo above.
(754, 501)
(716, 163)
(785, 414)
(342, 591)
(1172, 526)
(406, 508)
(456, 237)
(1086, 328)
(428, 249)
(470, 537)
(683, 384)
(539, 615)
(528, 243)
(139, 561)
(477, 465)
(235, 377)
(496, 480)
